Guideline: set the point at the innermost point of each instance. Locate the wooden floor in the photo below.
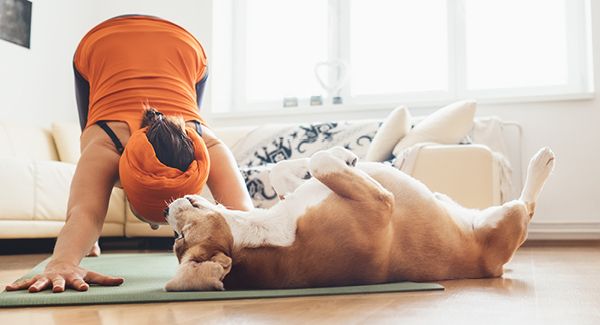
(545, 283)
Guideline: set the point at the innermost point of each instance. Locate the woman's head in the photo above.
(168, 137)
(162, 161)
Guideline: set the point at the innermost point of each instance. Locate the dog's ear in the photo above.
(197, 276)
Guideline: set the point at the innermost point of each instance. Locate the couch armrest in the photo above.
(469, 174)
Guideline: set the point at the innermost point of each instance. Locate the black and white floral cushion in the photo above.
(271, 143)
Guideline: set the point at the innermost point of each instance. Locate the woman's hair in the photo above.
(167, 135)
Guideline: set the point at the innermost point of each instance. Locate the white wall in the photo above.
(36, 86)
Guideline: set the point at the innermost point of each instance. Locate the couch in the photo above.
(37, 165)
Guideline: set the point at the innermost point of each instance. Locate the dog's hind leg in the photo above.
(540, 167)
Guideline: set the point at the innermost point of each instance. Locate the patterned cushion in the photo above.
(269, 144)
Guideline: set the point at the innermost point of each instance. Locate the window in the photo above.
(397, 46)
(404, 51)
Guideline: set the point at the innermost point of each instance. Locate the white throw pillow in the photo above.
(394, 128)
(66, 137)
(448, 125)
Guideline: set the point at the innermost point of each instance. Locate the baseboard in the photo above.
(564, 230)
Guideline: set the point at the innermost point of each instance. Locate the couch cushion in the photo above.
(274, 142)
(394, 128)
(34, 189)
(230, 135)
(66, 136)
(271, 143)
(16, 176)
(14, 229)
(448, 125)
(258, 182)
(26, 141)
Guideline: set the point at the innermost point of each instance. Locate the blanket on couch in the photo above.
(271, 143)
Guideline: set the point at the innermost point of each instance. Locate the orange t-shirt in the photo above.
(133, 60)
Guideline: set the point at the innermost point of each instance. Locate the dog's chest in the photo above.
(311, 194)
(277, 226)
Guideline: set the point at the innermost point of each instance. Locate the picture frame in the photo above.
(15, 22)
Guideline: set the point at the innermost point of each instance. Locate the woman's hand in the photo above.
(59, 276)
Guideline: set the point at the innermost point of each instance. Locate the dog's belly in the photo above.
(432, 237)
(416, 241)
(428, 235)
(330, 249)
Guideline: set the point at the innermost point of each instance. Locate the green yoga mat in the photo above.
(146, 275)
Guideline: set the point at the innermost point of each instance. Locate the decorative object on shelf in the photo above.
(316, 100)
(290, 102)
(338, 72)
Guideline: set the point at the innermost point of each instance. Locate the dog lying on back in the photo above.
(342, 223)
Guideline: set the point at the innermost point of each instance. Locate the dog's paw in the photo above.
(287, 175)
(332, 160)
(345, 155)
(542, 164)
(194, 276)
(540, 168)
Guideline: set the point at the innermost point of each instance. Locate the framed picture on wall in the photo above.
(15, 21)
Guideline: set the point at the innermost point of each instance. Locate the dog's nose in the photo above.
(166, 213)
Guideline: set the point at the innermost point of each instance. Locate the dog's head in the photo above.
(203, 244)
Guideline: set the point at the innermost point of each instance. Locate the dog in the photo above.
(342, 223)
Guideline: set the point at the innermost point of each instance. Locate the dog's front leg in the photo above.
(287, 175)
(335, 169)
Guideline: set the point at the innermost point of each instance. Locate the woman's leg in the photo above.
(82, 94)
(200, 89)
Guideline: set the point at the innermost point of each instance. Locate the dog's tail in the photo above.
(540, 168)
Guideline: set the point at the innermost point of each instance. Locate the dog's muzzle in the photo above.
(166, 214)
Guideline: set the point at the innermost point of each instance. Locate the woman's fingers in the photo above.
(79, 284)
(96, 278)
(24, 284)
(40, 285)
(58, 284)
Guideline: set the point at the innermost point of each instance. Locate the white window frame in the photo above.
(229, 58)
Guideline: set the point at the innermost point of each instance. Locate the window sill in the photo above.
(386, 107)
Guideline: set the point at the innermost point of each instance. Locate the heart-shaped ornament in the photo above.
(323, 69)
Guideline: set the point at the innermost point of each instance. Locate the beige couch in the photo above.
(37, 165)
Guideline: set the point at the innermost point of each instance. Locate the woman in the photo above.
(123, 66)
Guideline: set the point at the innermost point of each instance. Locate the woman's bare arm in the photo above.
(91, 187)
(225, 181)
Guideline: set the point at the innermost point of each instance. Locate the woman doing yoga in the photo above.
(139, 84)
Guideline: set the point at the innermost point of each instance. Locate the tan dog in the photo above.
(347, 225)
